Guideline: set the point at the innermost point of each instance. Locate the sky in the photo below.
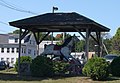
(105, 12)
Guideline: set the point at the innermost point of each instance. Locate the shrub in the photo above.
(115, 67)
(42, 66)
(96, 68)
(23, 59)
(59, 67)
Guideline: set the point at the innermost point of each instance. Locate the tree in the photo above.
(80, 46)
(108, 45)
(60, 36)
(96, 68)
(116, 42)
(17, 31)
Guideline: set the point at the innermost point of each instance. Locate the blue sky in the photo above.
(105, 12)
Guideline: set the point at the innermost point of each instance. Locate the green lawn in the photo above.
(8, 77)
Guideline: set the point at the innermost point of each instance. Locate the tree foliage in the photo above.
(116, 42)
(97, 68)
(44, 67)
(115, 67)
(23, 59)
(80, 46)
(17, 31)
(66, 35)
(41, 67)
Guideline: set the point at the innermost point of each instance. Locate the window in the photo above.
(17, 50)
(24, 50)
(8, 50)
(2, 50)
(12, 60)
(12, 50)
(7, 59)
(29, 51)
(34, 53)
(33, 42)
(2, 59)
(16, 40)
(30, 41)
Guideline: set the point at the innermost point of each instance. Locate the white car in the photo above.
(110, 57)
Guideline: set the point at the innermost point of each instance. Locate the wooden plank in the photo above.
(24, 34)
(80, 33)
(44, 37)
(94, 38)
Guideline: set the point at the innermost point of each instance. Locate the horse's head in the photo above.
(75, 39)
(71, 44)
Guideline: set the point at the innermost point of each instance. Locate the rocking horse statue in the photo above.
(63, 50)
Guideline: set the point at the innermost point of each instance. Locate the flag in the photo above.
(55, 8)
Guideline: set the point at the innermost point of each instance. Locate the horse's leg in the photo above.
(61, 57)
(65, 53)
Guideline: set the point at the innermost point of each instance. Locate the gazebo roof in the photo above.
(59, 22)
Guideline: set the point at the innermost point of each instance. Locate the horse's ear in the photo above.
(74, 35)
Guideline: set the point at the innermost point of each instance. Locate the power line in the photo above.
(13, 7)
(3, 23)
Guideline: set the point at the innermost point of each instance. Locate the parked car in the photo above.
(3, 65)
(109, 58)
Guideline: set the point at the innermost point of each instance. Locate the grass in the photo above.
(12, 77)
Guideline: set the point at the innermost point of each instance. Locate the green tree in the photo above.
(80, 46)
(23, 59)
(108, 45)
(116, 42)
(61, 36)
(17, 31)
(96, 68)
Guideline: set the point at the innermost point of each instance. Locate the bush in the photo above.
(42, 66)
(96, 68)
(59, 67)
(115, 67)
(23, 59)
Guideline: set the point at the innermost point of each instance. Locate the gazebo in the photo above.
(61, 22)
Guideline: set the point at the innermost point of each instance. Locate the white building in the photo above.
(9, 47)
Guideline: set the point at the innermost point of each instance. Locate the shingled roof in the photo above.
(59, 22)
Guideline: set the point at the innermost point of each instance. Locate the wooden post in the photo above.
(52, 38)
(19, 52)
(38, 43)
(99, 44)
(87, 43)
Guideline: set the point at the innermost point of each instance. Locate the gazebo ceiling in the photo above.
(59, 22)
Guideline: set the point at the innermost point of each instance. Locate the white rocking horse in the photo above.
(63, 50)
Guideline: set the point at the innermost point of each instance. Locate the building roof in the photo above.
(11, 45)
(4, 38)
(59, 22)
(13, 36)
